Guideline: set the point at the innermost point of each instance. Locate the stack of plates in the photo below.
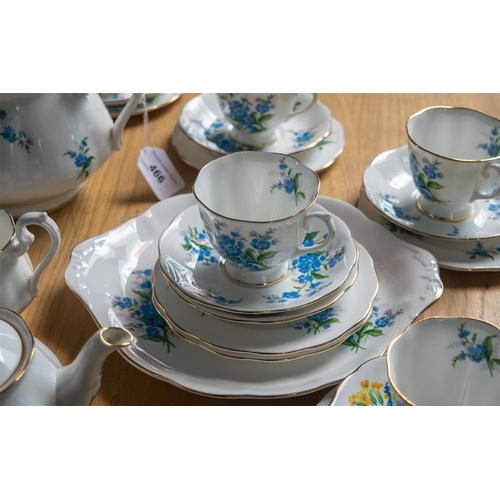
(330, 291)
(201, 135)
(389, 197)
(116, 102)
(226, 340)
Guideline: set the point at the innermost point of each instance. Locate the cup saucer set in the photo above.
(440, 193)
(253, 286)
(208, 125)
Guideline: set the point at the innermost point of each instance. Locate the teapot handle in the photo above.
(25, 239)
(121, 121)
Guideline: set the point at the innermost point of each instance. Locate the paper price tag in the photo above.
(159, 172)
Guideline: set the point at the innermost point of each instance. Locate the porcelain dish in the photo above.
(366, 386)
(153, 101)
(318, 158)
(323, 330)
(472, 255)
(389, 187)
(119, 99)
(191, 264)
(286, 316)
(203, 121)
(111, 274)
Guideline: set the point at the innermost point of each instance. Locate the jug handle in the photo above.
(121, 121)
(25, 239)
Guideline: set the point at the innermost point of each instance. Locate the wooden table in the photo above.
(117, 192)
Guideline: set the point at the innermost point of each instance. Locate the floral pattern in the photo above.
(477, 351)
(11, 135)
(318, 322)
(492, 147)
(380, 319)
(389, 205)
(289, 182)
(217, 134)
(302, 138)
(494, 210)
(425, 178)
(196, 242)
(372, 394)
(139, 314)
(81, 157)
(251, 252)
(251, 116)
(479, 251)
(312, 269)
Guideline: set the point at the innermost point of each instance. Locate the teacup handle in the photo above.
(25, 239)
(327, 218)
(486, 173)
(303, 102)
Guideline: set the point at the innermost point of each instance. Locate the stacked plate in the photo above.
(332, 290)
(389, 197)
(116, 102)
(246, 342)
(202, 134)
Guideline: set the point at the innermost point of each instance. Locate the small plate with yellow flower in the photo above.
(367, 386)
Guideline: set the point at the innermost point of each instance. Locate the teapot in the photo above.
(30, 373)
(51, 143)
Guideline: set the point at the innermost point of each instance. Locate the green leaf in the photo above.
(301, 195)
(373, 399)
(319, 276)
(434, 185)
(380, 399)
(142, 294)
(488, 347)
(357, 403)
(186, 246)
(496, 361)
(375, 332)
(264, 118)
(311, 236)
(265, 256)
(474, 337)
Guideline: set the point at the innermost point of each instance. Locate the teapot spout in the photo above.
(121, 121)
(79, 382)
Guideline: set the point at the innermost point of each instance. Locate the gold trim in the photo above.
(416, 322)
(310, 350)
(255, 285)
(196, 167)
(27, 347)
(272, 221)
(13, 225)
(203, 343)
(446, 219)
(416, 231)
(249, 314)
(422, 111)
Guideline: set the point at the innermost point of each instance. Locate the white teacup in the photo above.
(19, 283)
(256, 209)
(451, 361)
(453, 152)
(256, 117)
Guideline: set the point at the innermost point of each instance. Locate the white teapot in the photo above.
(30, 373)
(50, 144)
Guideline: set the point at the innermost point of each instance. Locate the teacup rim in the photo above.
(413, 324)
(463, 160)
(266, 221)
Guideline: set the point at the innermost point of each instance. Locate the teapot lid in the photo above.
(16, 348)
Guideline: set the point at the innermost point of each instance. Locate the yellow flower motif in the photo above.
(368, 395)
(365, 384)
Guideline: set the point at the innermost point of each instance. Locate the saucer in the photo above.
(191, 264)
(203, 121)
(118, 99)
(323, 330)
(283, 317)
(390, 189)
(153, 101)
(456, 255)
(111, 274)
(318, 158)
(367, 386)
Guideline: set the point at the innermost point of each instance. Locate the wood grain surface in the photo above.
(372, 123)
